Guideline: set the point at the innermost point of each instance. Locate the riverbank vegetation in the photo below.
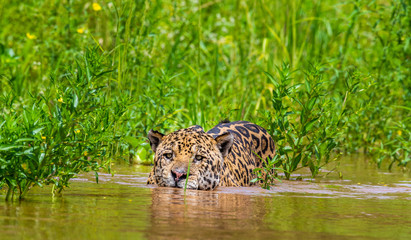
(81, 83)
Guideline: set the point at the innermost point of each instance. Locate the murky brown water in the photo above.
(368, 204)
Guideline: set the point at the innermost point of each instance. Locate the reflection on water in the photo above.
(208, 214)
(368, 204)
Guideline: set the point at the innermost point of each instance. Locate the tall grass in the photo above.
(174, 64)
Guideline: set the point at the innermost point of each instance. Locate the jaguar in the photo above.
(223, 156)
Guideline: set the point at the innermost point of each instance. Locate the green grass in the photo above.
(168, 65)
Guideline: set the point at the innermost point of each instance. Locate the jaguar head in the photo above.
(189, 156)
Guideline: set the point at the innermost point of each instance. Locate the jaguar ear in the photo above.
(196, 128)
(224, 143)
(155, 139)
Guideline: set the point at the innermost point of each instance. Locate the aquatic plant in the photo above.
(304, 121)
(52, 136)
(267, 174)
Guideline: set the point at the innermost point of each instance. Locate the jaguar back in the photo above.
(251, 144)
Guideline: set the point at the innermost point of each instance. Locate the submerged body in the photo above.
(224, 156)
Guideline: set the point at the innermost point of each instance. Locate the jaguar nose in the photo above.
(177, 175)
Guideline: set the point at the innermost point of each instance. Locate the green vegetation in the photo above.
(266, 175)
(82, 83)
(57, 134)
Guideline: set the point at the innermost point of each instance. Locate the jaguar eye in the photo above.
(168, 155)
(199, 158)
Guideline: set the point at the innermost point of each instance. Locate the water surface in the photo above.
(365, 204)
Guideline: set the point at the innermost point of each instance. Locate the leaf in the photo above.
(25, 140)
(298, 101)
(290, 140)
(305, 160)
(11, 181)
(311, 103)
(294, 87)
(403, 107)
(134, 142)
(41, 158)
(88, 72)
(309, 125)
(37, 130)
(271, 79)
(317, 153)
(287, 149)
(255, 180)
(96, 174)
(3, 161)
(75, 100)
(104, 72)
(1, 125)
(308, 85)
(8, 147)
(295, 162)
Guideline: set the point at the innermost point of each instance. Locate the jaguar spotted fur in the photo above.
(224, 156)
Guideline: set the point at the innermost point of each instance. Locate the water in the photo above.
(367, 204)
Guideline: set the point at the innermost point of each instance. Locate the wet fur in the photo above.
(225, 163)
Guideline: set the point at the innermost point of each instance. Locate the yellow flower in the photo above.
(85, 153)
(80, 30)
(77, 131)
(43, 137)
(60, 100)
(24, 166)
(30, 36)
(96, 7)
(399, 132)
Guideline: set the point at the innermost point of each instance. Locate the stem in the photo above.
(20, 191)
(26, 189)
(12, 193)
(188, 174)
(9, 190)
(53, 190)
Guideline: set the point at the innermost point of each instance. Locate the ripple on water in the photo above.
(364, 205)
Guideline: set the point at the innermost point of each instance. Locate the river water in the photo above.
(366, 204)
